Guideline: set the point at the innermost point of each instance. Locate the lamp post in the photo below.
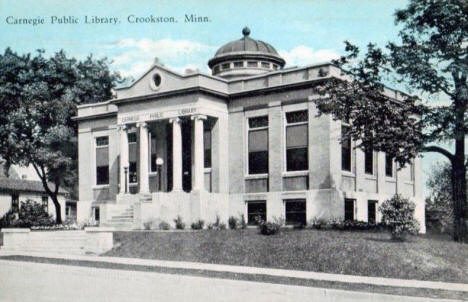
(159, 163)
(126, 173)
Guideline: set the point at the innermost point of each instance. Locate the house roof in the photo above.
(24, 185)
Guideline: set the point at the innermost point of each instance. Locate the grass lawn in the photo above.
(355, 253)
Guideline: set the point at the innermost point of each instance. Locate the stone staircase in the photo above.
(122, 220)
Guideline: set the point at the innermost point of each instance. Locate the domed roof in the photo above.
(246, 44)
(247, 48)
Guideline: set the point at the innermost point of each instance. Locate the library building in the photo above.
(245, 140)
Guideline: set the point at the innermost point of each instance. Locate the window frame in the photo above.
(387, 157)
(285, 148)
(369, 202)
(265, 65)
(296, 200)
(247, 202)
(15, 204)
(372, 163)
(45, 202)
(96, 147)
(353, 200)
(248, 130)
(238, 63)
(343, 169)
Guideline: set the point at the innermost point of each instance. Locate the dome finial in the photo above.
(246, 31)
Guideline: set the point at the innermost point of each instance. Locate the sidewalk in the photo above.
(255, 271)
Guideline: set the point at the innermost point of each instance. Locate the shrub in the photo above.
(233, 222)
(198, 225)
(222, 226)
(270, 228)
(164, 226)
(179, 224)
(147, 225)
(30, 214)
(7, 219)
(398, 216)
(242, 222)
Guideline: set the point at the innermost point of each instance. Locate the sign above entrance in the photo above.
(156, 115)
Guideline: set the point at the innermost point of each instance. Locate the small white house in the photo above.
(21, 185)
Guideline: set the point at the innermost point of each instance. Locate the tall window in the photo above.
(369, 161)
(297, 141)
(345, 149)
(256, 210)
(349, 209)
(132, 158)
(388, 165)
(258, 145)
(15, 202)
(102, 160)
(207, 147)
(45, 203)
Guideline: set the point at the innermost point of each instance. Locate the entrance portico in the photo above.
(180, 166)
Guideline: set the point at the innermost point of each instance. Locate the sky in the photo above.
(303, 31)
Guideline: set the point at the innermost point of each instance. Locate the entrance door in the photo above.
(187, 130)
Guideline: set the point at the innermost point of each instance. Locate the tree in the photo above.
(439, 204)
(431, 58)
(38, 98)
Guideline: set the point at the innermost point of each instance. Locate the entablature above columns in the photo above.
(167, 114)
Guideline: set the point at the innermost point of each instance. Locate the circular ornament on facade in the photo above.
(156, 81)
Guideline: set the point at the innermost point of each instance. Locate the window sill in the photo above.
(295, 173)
(152, 174)
(98, 187)
(390, 179)
(347, 173)
(256, 176)
(133, 184)
(371, 177)
(207, 170)
(409, 182)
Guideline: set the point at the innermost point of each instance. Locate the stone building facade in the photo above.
(245, 140)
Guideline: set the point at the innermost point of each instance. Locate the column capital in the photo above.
(142, 124)
(198, 117)
(174, 120)
(122, 127)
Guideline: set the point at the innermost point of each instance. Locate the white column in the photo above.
(123, 157)
(176, 154)
(198, 153)
(144, 160)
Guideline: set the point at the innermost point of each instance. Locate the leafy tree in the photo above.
(439, 202)
(431, 58)
(38, 98)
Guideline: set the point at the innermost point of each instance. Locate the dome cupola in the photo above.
(245, 57)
